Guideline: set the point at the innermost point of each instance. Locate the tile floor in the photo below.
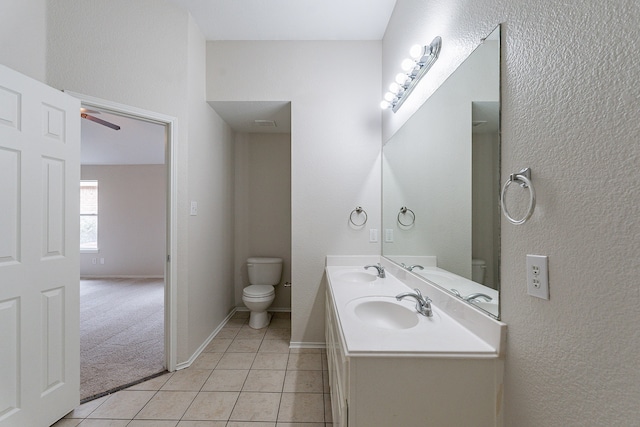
(244, 378)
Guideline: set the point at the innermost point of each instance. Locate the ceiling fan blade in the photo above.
(100, 121)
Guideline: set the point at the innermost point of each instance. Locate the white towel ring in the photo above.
(524, 178)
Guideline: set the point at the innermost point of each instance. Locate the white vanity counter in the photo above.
(436, 336)
(390, 366)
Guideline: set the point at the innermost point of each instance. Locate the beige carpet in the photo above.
(121, 333)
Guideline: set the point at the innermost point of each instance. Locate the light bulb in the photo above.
(394, 88)
(416, 51)
(385, 104)
(389, 96)
(407, 64)
(401, 78)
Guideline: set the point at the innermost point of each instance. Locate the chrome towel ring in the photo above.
(403, 212)
(358, 211)
(524, 179)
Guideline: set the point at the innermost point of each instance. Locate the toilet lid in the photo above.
(258, 291)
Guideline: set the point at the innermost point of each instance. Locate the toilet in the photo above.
(264, 274)
(478, 269)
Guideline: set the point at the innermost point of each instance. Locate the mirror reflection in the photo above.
(441, 186)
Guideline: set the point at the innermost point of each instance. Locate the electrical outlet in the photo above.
(538, 276)
(194, 208)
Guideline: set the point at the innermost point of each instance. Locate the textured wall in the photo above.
(23, 34)
(570, 112)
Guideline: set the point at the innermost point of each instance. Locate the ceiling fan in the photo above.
(86, 114)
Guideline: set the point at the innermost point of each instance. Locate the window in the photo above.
(88, 215)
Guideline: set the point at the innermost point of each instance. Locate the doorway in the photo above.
(129, 269)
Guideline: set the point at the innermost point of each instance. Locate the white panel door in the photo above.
(39, 251)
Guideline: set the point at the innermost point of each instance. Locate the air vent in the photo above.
(265, 123)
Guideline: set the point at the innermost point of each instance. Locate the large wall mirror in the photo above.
(441, 172)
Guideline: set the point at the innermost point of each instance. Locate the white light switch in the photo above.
(373, 235)
(388, 235)
(538, 276)
(194, 208)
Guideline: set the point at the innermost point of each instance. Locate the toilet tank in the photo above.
(264, 271)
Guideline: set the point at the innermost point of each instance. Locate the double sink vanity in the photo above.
(390, 365)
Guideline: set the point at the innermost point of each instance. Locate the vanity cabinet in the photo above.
(408, 389)
(338, 368)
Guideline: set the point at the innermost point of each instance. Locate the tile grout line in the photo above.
(283, 382)
(249, 370)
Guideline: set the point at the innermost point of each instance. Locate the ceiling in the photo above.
(255, 116)
(139, 142)
(290, 19)
(136, 143)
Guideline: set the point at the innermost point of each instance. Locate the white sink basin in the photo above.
(383, 312)
(356, 277)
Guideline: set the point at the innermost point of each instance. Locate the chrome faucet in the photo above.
(411, 267)
(423, 304)
(476, 296)
(378, 267)
(472, 297)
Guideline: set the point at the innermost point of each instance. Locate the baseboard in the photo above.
(119, 276)
(272, 310)
(279, 310)
(304, 344)
(206, 342)
(222, 324)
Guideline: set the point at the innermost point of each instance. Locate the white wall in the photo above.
(263, 207)
(23, 36)
(131, 221)
(211, 176)
(149, 54)
(335, 147)
(569, 111)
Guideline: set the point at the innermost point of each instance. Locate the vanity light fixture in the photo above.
(422, 58)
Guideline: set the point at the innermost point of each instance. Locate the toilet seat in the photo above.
(258, 291)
